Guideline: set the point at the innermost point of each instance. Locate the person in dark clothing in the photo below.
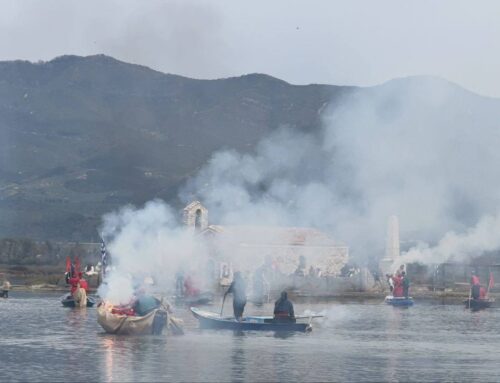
(406, 285)
(283, 310)
(476, 286)
(179, 283)
(238, 289)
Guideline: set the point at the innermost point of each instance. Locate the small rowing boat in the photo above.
(478, 304)
(399, 301)
(69, 301)
(210, 320)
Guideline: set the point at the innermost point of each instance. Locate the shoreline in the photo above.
(419, 294)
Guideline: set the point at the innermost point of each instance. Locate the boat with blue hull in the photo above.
(210, 320)
(68, 301)
(399, 301)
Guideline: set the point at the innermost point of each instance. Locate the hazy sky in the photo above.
(336, 42)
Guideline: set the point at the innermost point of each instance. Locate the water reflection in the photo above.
(108, 345)
(238, 359)
(393, 351)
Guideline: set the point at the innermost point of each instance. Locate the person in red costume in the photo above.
(190, 289)
(475, 286)
(83, 283)
(398, 285)
(74, 281)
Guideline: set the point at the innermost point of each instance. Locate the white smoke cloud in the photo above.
(147, 242)
(483, 237)
(421, 148)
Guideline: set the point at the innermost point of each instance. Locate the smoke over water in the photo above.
(421, 148)
(146, 243)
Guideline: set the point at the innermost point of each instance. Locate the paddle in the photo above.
(222, 308)
(308, 316)
(470, 296)
(176, 325)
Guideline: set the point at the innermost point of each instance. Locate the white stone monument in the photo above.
(392, 251)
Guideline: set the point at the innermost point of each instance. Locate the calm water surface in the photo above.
(42, 341)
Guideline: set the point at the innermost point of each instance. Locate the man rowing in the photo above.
(238, 289)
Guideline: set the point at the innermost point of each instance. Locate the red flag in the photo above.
(68, 264)
(492, 281)
(77, 265)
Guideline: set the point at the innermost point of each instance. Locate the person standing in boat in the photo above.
(398, 286)
(390, 282)
(406, 284)
(283, 310)
(238, 289)
(475, 286)
(179, 283)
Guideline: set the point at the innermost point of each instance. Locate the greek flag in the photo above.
(104, 258)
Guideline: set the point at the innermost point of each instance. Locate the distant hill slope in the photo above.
(80, 136)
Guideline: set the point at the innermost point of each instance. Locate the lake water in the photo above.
(43, 341)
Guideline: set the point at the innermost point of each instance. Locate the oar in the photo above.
(309, 316)
(222, 308)
(470, 296)
(176, 325)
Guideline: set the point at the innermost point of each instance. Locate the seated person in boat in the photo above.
(406, 284)
(79, 289)
(283, 310)
(83, 283)
(238, 289)
(144, 303)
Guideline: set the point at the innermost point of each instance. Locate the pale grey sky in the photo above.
(336, 42)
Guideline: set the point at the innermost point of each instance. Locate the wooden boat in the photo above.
(478, 304)
(209, 320)
(68, 301)
(399, 301)
(152, 323)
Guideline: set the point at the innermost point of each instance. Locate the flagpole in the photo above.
(489, 283)
(104, 258)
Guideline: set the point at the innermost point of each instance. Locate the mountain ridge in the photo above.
(81, 136)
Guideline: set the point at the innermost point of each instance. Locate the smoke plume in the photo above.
(144, 243)
(421, 148)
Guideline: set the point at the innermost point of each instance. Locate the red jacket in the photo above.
(482, 293)
(474, 280)
(398, 286)
(84, 285)
(74, 283)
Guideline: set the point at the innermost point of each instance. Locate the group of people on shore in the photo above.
(399, 283)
